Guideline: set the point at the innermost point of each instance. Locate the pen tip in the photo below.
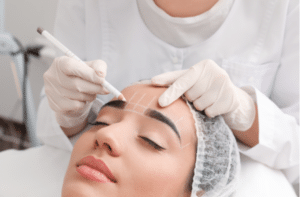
(121, 97)
(40, 30)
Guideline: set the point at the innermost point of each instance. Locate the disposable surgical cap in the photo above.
(217, 164)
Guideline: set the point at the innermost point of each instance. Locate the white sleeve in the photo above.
(69, 29)
(279, 115)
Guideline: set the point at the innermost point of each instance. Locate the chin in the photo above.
(75, 187)
(76, 190)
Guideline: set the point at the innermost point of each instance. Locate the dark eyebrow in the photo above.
(149, 112)
(160, 117)
(116, 104)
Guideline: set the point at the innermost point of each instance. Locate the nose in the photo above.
(111, 139)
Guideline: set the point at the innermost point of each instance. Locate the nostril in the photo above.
(111, 148)
(103, 145)
(108, 146)
(96, 144)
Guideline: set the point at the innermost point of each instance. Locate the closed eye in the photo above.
(152, 143)
(98, 123)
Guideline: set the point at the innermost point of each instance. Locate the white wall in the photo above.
(22, 17)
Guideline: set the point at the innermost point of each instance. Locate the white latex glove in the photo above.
(71, 86)
(210, 89)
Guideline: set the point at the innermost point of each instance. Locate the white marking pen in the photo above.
(68, 53)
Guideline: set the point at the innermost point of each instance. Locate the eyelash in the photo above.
(150, 142)
(153, 144)
(98, 123)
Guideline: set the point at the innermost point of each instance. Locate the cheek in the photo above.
(159, 169)
(161, 174)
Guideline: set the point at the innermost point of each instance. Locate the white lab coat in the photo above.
(257, 45)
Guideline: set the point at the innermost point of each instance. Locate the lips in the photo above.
(95, 169)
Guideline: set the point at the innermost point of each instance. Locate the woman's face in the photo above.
(185, 8)
(137, 149)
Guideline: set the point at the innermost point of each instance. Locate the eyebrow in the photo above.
(149, 112)
(116, 104)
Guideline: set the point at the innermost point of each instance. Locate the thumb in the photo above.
(99, 66)
(168, 78)
(179, 87)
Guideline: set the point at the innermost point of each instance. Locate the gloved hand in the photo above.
(71, 86)
(210, 89)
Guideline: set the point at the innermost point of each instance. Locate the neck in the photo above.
(185, 8)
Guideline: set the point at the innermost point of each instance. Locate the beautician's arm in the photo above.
(74, 130)
(249, 137)
(278, 145)
(95, 108)
(69, 19)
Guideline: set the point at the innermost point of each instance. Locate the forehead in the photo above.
(143, 96)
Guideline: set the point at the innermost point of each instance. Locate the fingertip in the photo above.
(209, 114)
(163, 102)
(155, 82)
(189, 98)
(99, 66)
(104, 91)
(197, 107)
(100, 74)
(152, 81)
(101, 80)
(160, 81)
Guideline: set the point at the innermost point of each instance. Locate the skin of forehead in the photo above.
(139, 101)
(144, 103)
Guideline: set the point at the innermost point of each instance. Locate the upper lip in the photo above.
(97, 164)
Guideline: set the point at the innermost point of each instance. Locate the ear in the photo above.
(200, 193)
(187, 194)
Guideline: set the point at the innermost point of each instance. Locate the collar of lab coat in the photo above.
(187, 31)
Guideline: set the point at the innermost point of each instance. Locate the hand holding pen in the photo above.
(68, 53)
(71, 85)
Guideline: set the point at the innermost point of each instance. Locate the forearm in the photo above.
(74, 130)
(249, 137)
